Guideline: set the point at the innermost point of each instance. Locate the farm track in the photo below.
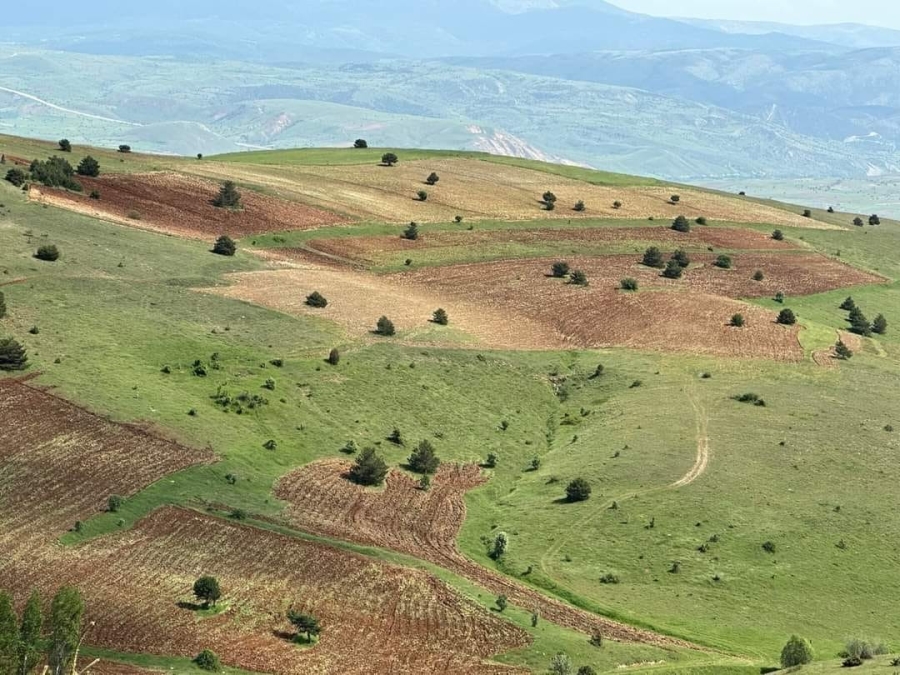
(425, 525)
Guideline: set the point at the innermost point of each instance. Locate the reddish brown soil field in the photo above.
(423, 524)
(181, 205)
(58, 464)
(371, 249)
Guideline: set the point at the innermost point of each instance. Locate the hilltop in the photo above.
(740, 473)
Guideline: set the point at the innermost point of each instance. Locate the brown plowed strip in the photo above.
(425, 525)
(59, 463)
(180, 205)
(827, 358)
(373, 249)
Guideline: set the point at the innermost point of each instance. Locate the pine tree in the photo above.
(228, 197)
(30, 635)
(787, 317)
(681, 224)
(879, 325)
(653, 258)
(848, 305)
(673, 270)
(796, 652)
(369, 468)
(225, 246)
(411, 232)
(842, 351)
(859, 324)
(440, 317)
(385, 327)
(88, 167)
(424, 459)
(432, 179)
(12, 355)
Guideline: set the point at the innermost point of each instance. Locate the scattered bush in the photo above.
(360, 144)
(560, 270)
(681, 258)
(424, 459)
(535, 463)
(750, 398)
(628, 284)
(561, 664)
(125, 149)
(578, 490)
(737, 320)
(88, 167)
(94, 195)
(874, 220)
(579, 206)
(48, 253)
(207, 590)
(385, 327)
(422, 196)
(797, 652)
(549, 200)
(609, 578)
(617, 205)
(681, 224)
(779, 297)
(701, 220)
(224, 246)
(499, 546)
(228, 197)
(65, 145)
(758, 275)
(653, 258)
(578, 278)
(334, 357)
(269, 384)
(304, 623)
(114, 503)
(768, 547)
(368, 469)
(502, 602)
(317, 300)
(491, 461)
(395, 436)
(842, 351)
(807, 213)
(411, 232)
(723, 261)
(457, 219)
(440, 317)
(673, 270)
(207, 660)
(432, 179)
(389, 159)
(674, 199)
(17, 177)
(879, 325)
(778, 235)
(858, 221)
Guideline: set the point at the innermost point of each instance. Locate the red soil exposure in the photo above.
(376, 618)
(60, 463)
(424, 524)
(368, 249)
(181, 205)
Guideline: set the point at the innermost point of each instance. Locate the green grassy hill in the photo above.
(681, 472)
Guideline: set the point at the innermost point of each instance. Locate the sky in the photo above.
(875, 12)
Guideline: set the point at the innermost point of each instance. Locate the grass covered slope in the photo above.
(680, 471)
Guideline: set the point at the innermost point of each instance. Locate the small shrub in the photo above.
(560, 270)
(787, 317)
(228, 197)
(778, 235)
(674, 199)
(548, 198)
(653, 258)
(125, 149)
(17, 177)
(807, 213)
(737, 320)
(874, 220)
(385, 327)
(440, 317)
(797, 652)
(34, 330)
(578, 278)
(225, 246)
(701, 220)
(425, 483)
(458, 219)
(681, 224)
(842, 351)
(579, 206)
(48, 253)
(617, 205)
(723, 261)
(750, 397)
(535, 463)
(628, 284)
(317, 300)
(432, 179)
(609, 578)
(94, 195)
(269, 384)
(350, 448)
(207, 660)
(422, 195)
(858, 221)
(491, 461)
(334, 357)
(499, 546)
(360, 144)
(880, 325)
(114, 503)
(502, 602)
(578, 490)
(395, 436)
(673, 270)
(681, 258)
(411, 233)
(779, 297)
(88, 167)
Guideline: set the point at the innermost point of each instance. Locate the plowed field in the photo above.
(424, 524)
(372, 250)
(181, 205)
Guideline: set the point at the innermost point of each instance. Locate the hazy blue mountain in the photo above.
(853, 35)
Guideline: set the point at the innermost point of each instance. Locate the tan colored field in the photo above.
(374, 250)
(513, 304)
(476, 189)
(181, 205)
(60, 463)
(425, 524)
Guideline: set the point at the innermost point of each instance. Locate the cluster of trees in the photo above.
(561, 664)
(561, 270)
(672, 269)
(859, 324)
(873, 220)
(27, 640)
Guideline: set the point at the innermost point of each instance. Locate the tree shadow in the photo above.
(284, 635)
(192, 606)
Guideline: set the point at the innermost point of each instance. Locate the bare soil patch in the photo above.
(372, 250)
(424, 524)
(476, 189)
(181, 205)
(827, 358)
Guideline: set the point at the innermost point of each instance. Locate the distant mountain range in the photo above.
(576, 80)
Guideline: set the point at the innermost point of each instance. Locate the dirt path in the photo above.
(702, 460)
